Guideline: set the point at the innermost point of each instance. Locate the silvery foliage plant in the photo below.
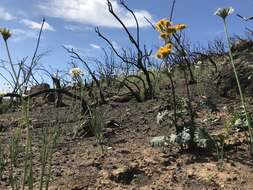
(201, 138)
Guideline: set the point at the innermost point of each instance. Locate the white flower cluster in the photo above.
(75, 72)
(224, 12)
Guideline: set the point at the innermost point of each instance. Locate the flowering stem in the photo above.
(239, 87)
(12, 66)
(174, 100)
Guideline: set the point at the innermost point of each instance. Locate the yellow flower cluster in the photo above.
(180, 26)
(5, 33)
(164, 51)
(166, 30)
(162, 25)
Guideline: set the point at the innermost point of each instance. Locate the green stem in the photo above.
(50, 152)
(239, 87)
(30, 178)
(43, 157)
(12, 66)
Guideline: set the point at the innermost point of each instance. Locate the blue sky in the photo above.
(71, 23)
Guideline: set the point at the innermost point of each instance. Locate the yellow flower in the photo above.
(164, 51)
(164, 26)
(165, 35)
(168, 46)
(5, 33)
(171, 29)
(161, 25)
(180, 26)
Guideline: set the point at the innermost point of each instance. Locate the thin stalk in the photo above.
(25, 165)
(12, 66)
(239, 87)
(174, 100)
(43, 158)
(11, 177)
(30, 177)
(50, 152)
(189, 102)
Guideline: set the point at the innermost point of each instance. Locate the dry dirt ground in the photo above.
(129, 161)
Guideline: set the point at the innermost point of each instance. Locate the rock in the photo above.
(112, 124)
(154, 109)
(83, 130)
(122, 98)
(38, 88)
(53, 188)
(50, 98)
(108, 132)
(124, 174)
(105, 174)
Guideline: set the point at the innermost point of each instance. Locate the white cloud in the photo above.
(75, 48)
(35, 25)
(77, 28)
(4, 15)
(95, 46)
(92, 12)
(115, 45)
(69, 46)
(20, 35)
(87, 52)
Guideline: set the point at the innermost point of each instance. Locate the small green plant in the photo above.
(4, 106)
(15, 146)
(15, 150)
(221, 138)
(97, 125)
(201, 139)
(2, 161)
(48, 142)
(28, 162)
(233, 123)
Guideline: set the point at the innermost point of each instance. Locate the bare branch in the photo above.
(136, 21)
(34, 54)
(111, 45)
(172, 9)
(110, 8)
(151, 24)
(245, 18)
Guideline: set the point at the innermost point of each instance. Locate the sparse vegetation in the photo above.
(90, 129)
